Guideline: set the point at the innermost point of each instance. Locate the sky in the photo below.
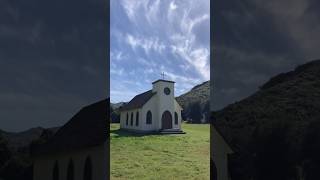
(52, 60)
(150, 37)
(254, 40)
(53, 53)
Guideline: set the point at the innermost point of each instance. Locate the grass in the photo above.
(182, 156)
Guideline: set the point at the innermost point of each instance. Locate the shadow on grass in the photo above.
(124, 133)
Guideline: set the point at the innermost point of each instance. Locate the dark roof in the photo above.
(163, 81)
(218, 129)
(138, 101)
(85, 129)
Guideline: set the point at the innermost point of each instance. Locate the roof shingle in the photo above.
(138, 101)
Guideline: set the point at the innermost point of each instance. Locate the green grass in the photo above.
(182, 156)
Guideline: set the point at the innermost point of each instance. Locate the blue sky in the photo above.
(149, 37)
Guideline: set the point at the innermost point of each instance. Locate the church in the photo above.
(155, 110)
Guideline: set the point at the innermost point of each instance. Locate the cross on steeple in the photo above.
(162, 74)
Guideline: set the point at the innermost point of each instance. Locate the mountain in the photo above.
(197, 96)
(276, 127)
(117, 105)
(24, 138)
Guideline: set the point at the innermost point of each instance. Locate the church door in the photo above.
(166, 120)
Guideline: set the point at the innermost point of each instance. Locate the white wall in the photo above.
(43, 166)
(178, 109)
(219, 151)
(158, 104)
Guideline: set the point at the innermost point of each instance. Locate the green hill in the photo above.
(276, 127)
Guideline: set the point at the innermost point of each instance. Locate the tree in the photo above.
(5, 153)
(271, 152)
(195, 112)
(310, 157)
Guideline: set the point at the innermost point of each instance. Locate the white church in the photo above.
(155, 110)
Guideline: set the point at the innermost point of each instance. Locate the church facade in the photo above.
(153, 111)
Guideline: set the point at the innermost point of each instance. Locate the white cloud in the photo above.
(118, 72)
(173, 5)
(117, 55)
(146, 44)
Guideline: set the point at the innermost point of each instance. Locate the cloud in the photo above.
(272, 37)
(161, 36)
(52, 63)
(118, 56)
(173, 6)
(146, 44)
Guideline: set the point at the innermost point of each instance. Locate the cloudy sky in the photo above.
(52, 60)
(149, 37)
(254, 40)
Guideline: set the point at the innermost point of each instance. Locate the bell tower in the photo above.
(164, 100)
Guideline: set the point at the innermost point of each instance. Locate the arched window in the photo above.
(127, 120)
(55, 173)
(131, 122)
(175, 118)
(149, 117)
(70, 171)
(87, 174)
(137, 119)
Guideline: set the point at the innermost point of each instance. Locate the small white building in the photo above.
(155, 110)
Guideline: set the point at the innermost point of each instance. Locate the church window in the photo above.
(70, 171)
(137, 119)
(55, 173)
(127, 120)
(87, 175)
(131, 121)
(175, 118)
(149, 117)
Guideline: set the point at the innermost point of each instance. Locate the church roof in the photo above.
(163, 81)
(138, 101)
(85, 129)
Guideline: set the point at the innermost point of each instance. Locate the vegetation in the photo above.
(275, 131)
(182, 156)
(15, 161)
(195, 103)
(14, 164)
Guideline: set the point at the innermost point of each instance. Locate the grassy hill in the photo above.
(197, 99)
(183, 156)
(276, 130)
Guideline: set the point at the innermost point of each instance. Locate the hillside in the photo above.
(116, 105)
(24, 138)
(285, 113)
(197, 96)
